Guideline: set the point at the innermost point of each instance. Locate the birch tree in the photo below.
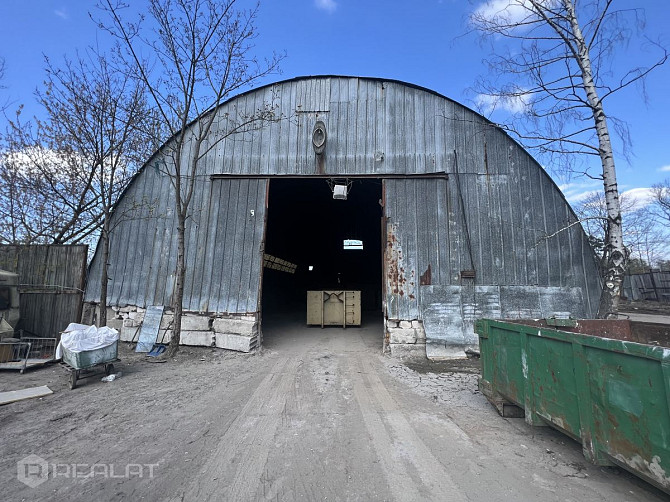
(552, 66)
(199, 56)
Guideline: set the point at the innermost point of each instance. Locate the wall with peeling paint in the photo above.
(470, 241)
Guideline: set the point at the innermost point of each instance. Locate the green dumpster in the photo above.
(605, 389)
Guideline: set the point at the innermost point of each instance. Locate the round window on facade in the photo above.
(319, 137)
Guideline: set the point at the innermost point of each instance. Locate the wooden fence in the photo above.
(652, 285)
(51, 284)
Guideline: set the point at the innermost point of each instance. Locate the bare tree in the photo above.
(644, 238)
(201, 57)
(5, 104)
(46, 186)
(552, 66)
(661, 200)
(65, 173)
(104, 116)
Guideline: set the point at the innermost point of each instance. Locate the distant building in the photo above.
(456, 220)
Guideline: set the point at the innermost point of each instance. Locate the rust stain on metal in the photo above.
(426, 277)
(401, 281)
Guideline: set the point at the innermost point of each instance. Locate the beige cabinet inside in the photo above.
(334, 308)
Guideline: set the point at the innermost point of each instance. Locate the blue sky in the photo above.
(417, 42)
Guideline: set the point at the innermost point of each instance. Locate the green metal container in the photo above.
(89, 358)
(611, 394)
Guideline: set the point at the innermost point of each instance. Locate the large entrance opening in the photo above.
(321, 243)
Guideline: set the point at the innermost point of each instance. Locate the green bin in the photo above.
(602, 389)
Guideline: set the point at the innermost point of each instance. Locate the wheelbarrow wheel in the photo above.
(109, 369)
(74, 375)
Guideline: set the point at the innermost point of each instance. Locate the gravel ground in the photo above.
(316, 415)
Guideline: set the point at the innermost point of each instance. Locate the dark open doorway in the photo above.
(306, 227)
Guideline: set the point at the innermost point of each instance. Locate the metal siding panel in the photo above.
(443, 232)
(401, 134)
(552, 226)
(409, 147)
(164, 223)
(368, 162)
(253, 282)
(408, 232)
(389, 115)
(437, 143)
(419, 133)
(195, 244)
(338, 140)
(163, 294)
(425, 229)
(293, 131)
(538, 225)
(516, 207)
(223, 258)
(380, 127)
(206, 302)
(230, 285)
(479, 227)
(469, 222)
(305, 149)
(529, 217)
(247, 250)
(249, 138)
(430, 111)
(497, 162)
(361, 152)
(282, 137)
(127, 249)
(157, 224)
(349, 166)
(144, 241)
(271, 138)
(241, 261)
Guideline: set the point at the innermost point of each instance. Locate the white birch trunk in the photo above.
(615, 251)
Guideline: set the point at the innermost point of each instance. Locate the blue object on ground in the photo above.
(157, 350)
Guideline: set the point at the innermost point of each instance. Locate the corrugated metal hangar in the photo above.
(364, 184)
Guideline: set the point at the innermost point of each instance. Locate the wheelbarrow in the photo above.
(88, 363)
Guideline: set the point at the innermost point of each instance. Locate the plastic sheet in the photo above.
(80, 338)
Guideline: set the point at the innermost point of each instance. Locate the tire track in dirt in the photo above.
(400, 450)
(245, 445)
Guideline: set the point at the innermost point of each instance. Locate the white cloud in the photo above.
(638, 197)
(511, 11)
(327, 5)
(664, 169)
(506, 11)
(577, 192)
(519, 103)
(61, 13)
(632, 199)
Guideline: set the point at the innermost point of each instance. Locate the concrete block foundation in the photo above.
(240, 333)
(406, 339)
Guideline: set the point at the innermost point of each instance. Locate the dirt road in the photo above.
(317, 415)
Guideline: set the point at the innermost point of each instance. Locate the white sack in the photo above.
(79, 337)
